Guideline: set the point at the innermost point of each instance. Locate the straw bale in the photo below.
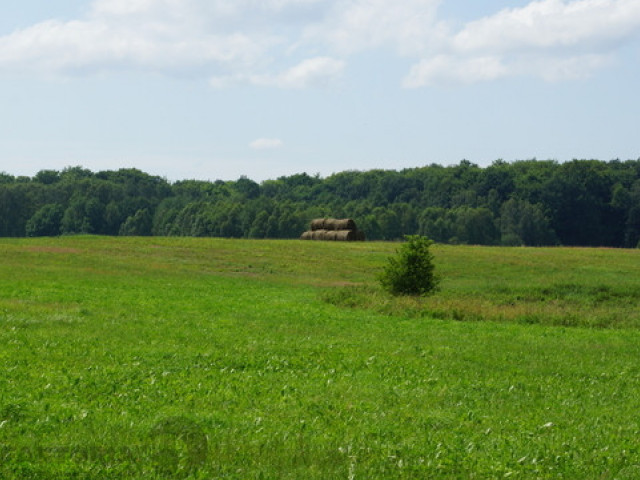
(331, 235)
(333, 229)
(318, 234)
(317, 224)
(330, 224)
(333, 224)
(339, 224)
(345, 235)
(345, 224)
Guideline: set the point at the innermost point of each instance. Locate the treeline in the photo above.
(582, 202)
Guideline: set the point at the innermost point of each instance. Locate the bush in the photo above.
(411, 271)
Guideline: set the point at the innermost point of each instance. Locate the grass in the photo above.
(549, 286)
(208, 358)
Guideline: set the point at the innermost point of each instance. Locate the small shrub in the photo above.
(411, 271)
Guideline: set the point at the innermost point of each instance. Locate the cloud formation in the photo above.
(308, 43)
(352, 26)
(266, 144)
(550, 39)
(312, 72)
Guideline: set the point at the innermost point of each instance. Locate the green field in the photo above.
(210, 358)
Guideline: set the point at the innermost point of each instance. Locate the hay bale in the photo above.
(345, 235)
(339, 224)
(331, 235)
(334, 229)
(318, 234)
(330, 224)
(345, 224)
(333, 224)
(317, 224)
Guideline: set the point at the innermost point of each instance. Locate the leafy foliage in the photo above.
(530, 202)
(411, 271)
(45, 222)
(137, 225)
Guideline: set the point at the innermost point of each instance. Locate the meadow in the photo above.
(274, 359)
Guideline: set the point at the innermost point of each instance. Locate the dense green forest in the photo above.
(582, 202)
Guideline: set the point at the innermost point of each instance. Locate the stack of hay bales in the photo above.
(334, 229)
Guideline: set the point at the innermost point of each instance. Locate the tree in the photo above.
(247, 188)
(524, 224)
(411, 271)
(527, 202)
(14, 210)
(475, 226)
(74, 219)
(632, 233)
(370, 225)
(389, 223)
(578, 198)
(436, 223)
(45, 222)
(6, 178)
(259, 225)
(138, 224)
(47, 177)
(291, 223)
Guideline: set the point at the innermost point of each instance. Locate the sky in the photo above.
(219, 89)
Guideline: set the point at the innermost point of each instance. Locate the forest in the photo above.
(528, 202)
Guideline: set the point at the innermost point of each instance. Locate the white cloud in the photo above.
(317, 72)
(355, 25)
(550, 39)
(96, 45)
(168, 36)
(225, 40)
(448, 70)
(257, 41)
(554, 69)
(558, 24)
(313, 72)
(266, 144)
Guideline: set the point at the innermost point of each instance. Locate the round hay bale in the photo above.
(339, 224)
(318, 234)
(317, 224)
(306, 235)
(345, 235)
(344, 224)
(331, 235)
(330, 224)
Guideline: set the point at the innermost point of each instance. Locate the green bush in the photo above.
(411, 271)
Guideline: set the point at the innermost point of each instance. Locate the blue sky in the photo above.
(217, 89)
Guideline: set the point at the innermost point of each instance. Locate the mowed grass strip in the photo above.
(102, 340)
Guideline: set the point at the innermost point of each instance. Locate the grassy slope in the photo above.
(103, 339)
